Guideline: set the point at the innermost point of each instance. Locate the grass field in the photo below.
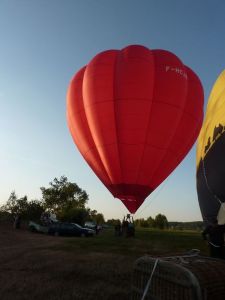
(146, 241)
(37, 266)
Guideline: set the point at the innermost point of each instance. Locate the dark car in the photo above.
(69, 229)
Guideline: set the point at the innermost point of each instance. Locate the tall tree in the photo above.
(99, 218)
(34, 209)
(161, 221)
(15, 205)
(28, 210)
(151, 222)
(11, 204)
(63, 194)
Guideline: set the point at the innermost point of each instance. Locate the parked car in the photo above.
(35, 227)
(69, 229)
(90, 225)
(94, 226)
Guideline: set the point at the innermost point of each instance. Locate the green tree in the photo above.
(73, 215)
(63, 195)
(99, 218)
(113, 222)
(5, 216)
(161, 221)
(28, 210)
(22, 206)
(92, 214)
(151, 222)
(34, 210)
(141, 223)
(15, 205)
(11, 204)
(96, 217)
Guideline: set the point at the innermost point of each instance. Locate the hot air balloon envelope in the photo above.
(210, 156)
(134, 114)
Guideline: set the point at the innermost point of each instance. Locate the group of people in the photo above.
(214, 234)
(127, 228)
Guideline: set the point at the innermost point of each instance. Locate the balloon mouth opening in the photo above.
(127, 198)
(132, 195)
(132, 203)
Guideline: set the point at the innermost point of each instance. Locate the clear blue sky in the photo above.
(44, 42)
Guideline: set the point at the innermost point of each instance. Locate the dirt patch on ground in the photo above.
(32, 268)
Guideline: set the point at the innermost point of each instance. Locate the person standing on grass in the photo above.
(214, 235)
(117, 228)
(17, 222)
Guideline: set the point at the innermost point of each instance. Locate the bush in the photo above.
(6, 217)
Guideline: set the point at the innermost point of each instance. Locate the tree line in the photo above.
(69, 202)
(161, 222)
(63, 198)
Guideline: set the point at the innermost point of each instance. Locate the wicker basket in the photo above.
(187, 277)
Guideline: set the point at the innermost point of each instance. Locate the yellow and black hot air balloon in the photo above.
(211, 156)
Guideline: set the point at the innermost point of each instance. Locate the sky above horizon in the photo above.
(45, 42)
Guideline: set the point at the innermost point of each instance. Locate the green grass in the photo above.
(82, 268)
(146, 241)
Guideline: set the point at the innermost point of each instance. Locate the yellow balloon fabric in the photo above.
(215, 116)
(211, 155)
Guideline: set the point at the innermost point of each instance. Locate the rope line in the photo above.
(153, 198)
(150, 279)
(181, 258)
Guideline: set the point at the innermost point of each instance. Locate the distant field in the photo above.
(37, 266)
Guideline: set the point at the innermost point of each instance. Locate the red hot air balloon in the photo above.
(134, 114)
